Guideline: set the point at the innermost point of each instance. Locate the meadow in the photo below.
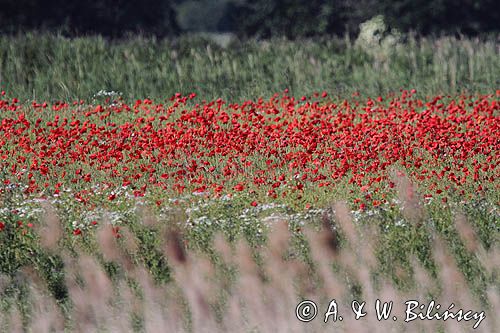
(51, 68)
(210, 184)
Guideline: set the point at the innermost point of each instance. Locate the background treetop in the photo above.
(246, 18)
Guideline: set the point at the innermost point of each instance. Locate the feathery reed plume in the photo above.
(257, 289)
(174, 247)
(51, 232)
(106, 237)
(467, 233)
(412, 208)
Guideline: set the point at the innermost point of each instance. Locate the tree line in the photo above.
(246, 18)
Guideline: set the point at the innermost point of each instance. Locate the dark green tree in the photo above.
(290, 18)
(247, 18)
(468, 17)
(112, 18)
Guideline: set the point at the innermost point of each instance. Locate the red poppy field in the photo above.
(266, 149)
(300, 152)
(405, 165)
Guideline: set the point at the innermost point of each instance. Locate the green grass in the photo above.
(47, 67)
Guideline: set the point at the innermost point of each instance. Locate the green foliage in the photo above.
(51, 269)
(47, 67)
(20, 247)
(150, 253)
(247, 18)
(107, 17)
(203, 16)
(290, 18)
(442, 16)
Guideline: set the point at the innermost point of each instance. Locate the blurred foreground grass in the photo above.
(239, 287)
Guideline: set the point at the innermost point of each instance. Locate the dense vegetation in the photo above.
(133, 168)
(247, 18)
(45, 67)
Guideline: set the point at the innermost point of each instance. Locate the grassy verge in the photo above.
(47, 67)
